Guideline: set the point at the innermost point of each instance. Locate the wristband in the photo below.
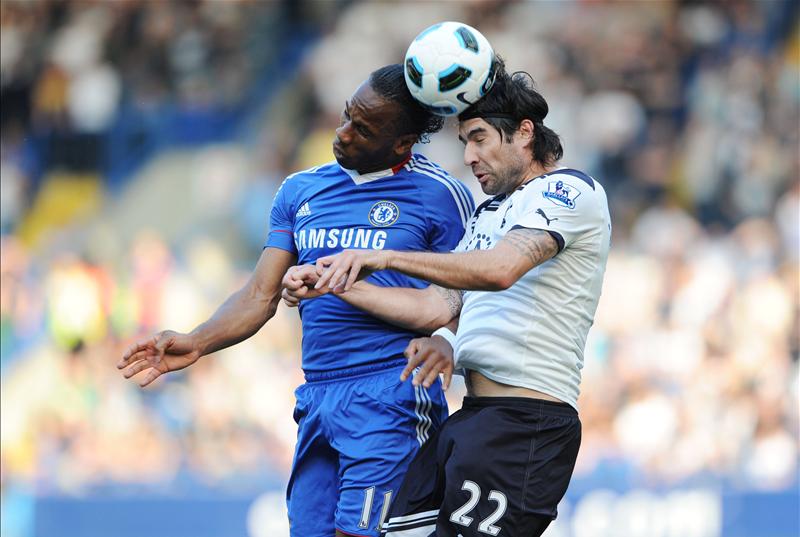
(447, 334)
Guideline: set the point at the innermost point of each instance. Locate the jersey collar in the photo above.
(532, 179)
(360, 179)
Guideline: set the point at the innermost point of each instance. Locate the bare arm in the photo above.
(238, 318)
(421, 310)
(248, 309)
(486, 270)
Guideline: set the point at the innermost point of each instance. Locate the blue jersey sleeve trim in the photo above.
(281, 238)
(281, 219)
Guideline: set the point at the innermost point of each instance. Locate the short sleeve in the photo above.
(563, 205)
(448, 214)
(281, 220)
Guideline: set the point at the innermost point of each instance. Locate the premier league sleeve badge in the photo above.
(562, 194)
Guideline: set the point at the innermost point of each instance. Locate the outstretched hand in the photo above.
(166, 351)
(433, 355)
(341, 271)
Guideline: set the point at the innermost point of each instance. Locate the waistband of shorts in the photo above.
(355, 371)
(528, 403)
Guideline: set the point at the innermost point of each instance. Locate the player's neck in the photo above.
(533, 171)
(394, 165)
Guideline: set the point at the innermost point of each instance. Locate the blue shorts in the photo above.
(358, 431)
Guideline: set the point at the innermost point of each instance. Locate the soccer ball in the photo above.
(449, 66)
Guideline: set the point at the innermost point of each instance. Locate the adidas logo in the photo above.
(304, 210)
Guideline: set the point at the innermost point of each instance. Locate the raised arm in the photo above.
(484, 270)
(238, 318)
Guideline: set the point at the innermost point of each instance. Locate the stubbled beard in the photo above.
(505, 181)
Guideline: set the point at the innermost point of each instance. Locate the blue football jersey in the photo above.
(416, 206)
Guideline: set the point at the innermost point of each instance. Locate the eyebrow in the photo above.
(472, 134)
(358, 124)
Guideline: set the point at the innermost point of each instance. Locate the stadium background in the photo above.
(142, 142)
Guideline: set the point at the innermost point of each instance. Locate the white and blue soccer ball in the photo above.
(449, 66)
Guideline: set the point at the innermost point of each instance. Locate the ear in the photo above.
(526, 130)
(404, 143)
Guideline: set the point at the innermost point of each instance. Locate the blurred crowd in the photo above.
(686, 111)
(91, 86)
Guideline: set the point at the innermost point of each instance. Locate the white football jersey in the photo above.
(534, 333)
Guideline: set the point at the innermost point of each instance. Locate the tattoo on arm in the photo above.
(453, 297)
(535, 244)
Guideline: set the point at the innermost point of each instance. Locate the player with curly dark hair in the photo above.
(358, 427)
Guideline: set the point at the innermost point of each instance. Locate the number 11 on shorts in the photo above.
(369, 496)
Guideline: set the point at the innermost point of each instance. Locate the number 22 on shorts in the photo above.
(460, 517)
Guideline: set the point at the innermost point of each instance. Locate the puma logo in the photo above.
(541, 212)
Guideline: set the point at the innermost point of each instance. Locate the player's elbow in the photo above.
(490, 281)
(430, 325)
(501, 278)
(499, 283)
(432, 316)
(272, 307)
(260, 301)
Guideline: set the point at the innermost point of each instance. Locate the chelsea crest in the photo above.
(383, 213)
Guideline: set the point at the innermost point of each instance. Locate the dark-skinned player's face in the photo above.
(366, 140)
